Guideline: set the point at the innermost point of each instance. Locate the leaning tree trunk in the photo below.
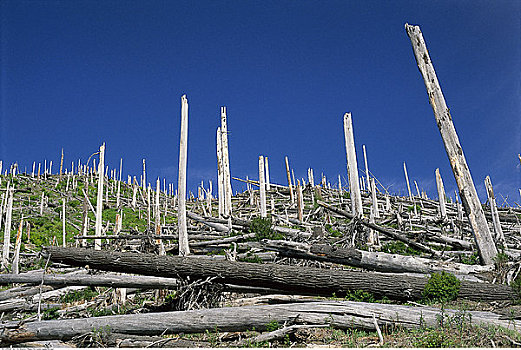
(294, 279)
(467, 190)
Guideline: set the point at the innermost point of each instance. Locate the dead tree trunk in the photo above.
(181, 212)
(374, 261)
(352, 168)
(337, 314)
(467, 190)
(304, 280)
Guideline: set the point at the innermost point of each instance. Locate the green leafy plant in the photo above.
(262, 227)
(399, 248)
(272, 326)
(441, 287)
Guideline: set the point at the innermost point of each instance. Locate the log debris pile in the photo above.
(100, 261)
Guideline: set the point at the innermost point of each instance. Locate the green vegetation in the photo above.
(272, 326)
(77, 295)
(399, 248)
(441, 287)
(333, 232)
(262, 227)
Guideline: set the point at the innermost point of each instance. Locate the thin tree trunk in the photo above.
(352, 167)
(441, 194)
(262, 188)
(99, 202)
(184, 249)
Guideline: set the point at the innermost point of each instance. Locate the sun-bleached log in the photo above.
(291, 279)
(373, 261)
(336, 314)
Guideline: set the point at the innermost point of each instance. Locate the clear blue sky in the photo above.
(74, 74)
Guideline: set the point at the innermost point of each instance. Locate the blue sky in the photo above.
(74, 74)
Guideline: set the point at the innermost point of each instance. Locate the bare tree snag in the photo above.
(267, 168)
(7, 226)
(500, 237)
(184, 249)
(226, 164)
(441, 194)
(289, 180)
(407, 181)
(352, 167)
(467, 190)
(262, 188)
(220, 173)
(99, 202)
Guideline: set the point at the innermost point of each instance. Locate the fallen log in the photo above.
(385, 231)
(294, 279)
(374, 261)
(337, 314)
(115, 281)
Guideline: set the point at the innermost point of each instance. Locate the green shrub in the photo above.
(272, 326)
(441, 287)
(262, 227)
(399, 248)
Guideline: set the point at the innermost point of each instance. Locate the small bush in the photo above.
(399, 248)
(262, 227)
(272, 326)
(441, 287)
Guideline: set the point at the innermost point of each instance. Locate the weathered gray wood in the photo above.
(288, 174)
(385, 231)
(467, 190)
(107, 280)
(262, 188)
(441, 194)
(184, 249)
(226, 164)
(7, 226)
(337, 314)
(374, 261)
(303, 280)
(500, 237)
(267, 168)
(352, 167)
(407, 181)
(99, 200)
(220, 173)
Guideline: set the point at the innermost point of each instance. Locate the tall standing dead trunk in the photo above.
(289, 181)
(99, 202)
(220, 173)
(7, 227)
(500, 237)
(262, 188)
(226, 164)
(441, 194)
(267, 169)
(467, 190)
(352, 167)
(184, 249)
